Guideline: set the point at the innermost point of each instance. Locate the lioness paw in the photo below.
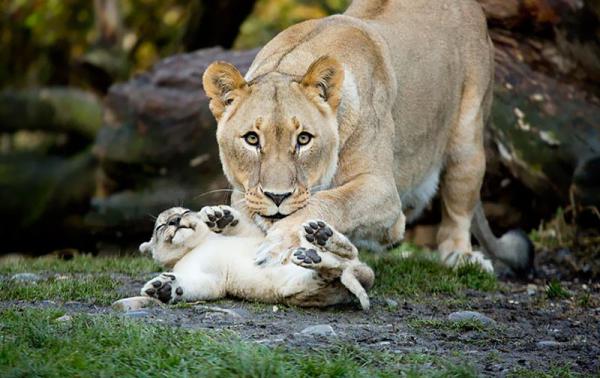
(458, 259)
(165, 288)
(220, 219)
(322, 236)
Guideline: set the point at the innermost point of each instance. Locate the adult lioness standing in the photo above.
(354, 118)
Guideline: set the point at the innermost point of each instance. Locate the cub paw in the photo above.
(326, 239)
(317, 232)
(458, 259)
(165, 288)
(306, 257)
(220, 219)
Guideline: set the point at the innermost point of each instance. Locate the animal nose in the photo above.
(175, 221)
(278, 198)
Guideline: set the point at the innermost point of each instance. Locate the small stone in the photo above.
(324, 330)
(275, 308)
(137, 314)
(471, 315)
(134, 303)
(391, 303)
(531, 289)
(26, 277)
(548, 344)
(64, 318)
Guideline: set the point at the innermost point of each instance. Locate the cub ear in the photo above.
(324, 78)
(220, 80)
(146, 247)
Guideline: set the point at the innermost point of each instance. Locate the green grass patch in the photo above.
(554, 290)
(422, 274)
(82, 264)
(34, 343)
(101, 289)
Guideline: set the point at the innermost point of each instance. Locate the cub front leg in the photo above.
(174, 287)
(228, 221)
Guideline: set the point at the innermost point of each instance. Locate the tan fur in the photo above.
(395, 94)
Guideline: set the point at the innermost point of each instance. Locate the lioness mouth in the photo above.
(275, 216)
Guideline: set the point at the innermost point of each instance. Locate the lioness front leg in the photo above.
(368, 202)
(174, 287)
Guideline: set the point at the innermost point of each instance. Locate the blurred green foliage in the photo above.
(272, 16)
(44, 42)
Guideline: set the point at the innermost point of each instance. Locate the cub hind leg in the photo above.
(333, 256)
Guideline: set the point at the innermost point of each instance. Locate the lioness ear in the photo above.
(324, 78)
(220, 80)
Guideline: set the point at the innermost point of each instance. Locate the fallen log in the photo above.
(57, 110)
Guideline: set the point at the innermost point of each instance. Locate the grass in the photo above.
(99, 289)
(82, 264)
(34, 343)
(87, 279)
(554, 290)
(422, 274)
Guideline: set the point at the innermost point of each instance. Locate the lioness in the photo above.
(211, 254)
(354, 118)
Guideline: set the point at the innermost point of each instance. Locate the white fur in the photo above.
(419, 197)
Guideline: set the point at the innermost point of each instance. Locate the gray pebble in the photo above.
(64, 318)
(391, 303)
(470, 315)
(134, 303)
(137, 314)
(548, 344)
(319, 330)
(26, 277)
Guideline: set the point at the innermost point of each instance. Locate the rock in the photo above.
(136, 314)
(64, 318)
(134, 303)
(391, 303)
(324, 330)
(26, 277)
(471, 315)
(531, 289)
(237, 314)
(549, 344)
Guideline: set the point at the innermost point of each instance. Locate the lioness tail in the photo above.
(514, 248)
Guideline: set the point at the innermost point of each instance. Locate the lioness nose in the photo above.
(175, 221)
(278, 198)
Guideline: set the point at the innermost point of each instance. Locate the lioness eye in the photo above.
(251, 138)
(304, 138)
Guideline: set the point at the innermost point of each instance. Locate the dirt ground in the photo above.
(529, 332)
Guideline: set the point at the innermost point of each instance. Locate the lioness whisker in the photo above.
(218, 191)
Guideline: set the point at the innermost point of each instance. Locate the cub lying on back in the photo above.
(212, 252)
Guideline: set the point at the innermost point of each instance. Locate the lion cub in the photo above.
(211, 255)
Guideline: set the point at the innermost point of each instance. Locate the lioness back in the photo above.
(413, 56)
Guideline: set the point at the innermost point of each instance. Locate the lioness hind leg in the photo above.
(461, 184)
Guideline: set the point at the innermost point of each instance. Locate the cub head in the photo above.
(176, 232)
(277, 134)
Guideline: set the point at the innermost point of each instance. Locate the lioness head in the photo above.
(175, 233)
(278, 133)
